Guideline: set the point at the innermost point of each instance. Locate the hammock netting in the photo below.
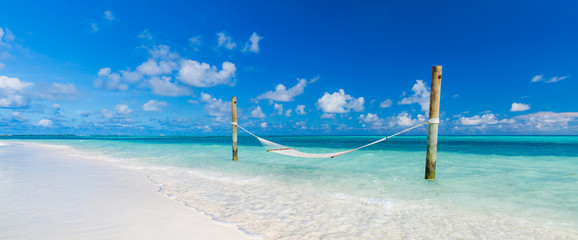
(289, 151)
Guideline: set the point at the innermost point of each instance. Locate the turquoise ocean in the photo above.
(486, 187)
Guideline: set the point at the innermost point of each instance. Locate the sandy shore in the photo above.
(48, 194)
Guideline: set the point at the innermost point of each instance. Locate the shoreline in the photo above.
(279, 209)
(49, 194)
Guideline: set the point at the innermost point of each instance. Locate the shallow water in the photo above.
(486, 187)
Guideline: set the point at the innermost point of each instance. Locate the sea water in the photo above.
(486, 187)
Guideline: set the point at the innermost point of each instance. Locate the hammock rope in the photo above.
(289, 151)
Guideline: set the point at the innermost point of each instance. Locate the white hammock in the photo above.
(280, 149)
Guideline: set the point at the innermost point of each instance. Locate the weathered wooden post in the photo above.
(234, 111)
(434, 114)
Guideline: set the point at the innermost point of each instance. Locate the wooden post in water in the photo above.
(234, 111)
(434, 114)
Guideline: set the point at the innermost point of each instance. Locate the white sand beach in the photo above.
(48, 194)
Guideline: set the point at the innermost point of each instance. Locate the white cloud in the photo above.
(114, 81)
(196, 42)
(9, 36)
(162, 52)
(11, 92)
(13, 83)
(557, 79)
(163, 86)
(152, 67)
(131, 77)
(550, 117)
(225, 41)
(56, 108)
(257, 113)
(58, 91)
(540, 78)
(16, 116)
(253, 44)
(64, 89)
(204, 75)
(371, 119)
(385, 104)
(313, 80)
(108, 15)
(6, 36)
(405, 120)
(7, 44)
(282, 94)
(328, 116)
(121, 113)
(158, 72)
(123, 109)
(207, 129)
(300, 110)
(94, 27)
(110, 80)
(486, 119)
(420, 95)
(549, 121)
(301, 125)
(206, 97)
(154, 105)
(217, 108)
(519, 107)
(107, 113)
(145, 34)
(288, 113)
(44, 123)
(264, 124)
(477, 120)
(339, 102)
(12, 100)
(278, 108)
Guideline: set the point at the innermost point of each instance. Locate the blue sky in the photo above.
(296, 67)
